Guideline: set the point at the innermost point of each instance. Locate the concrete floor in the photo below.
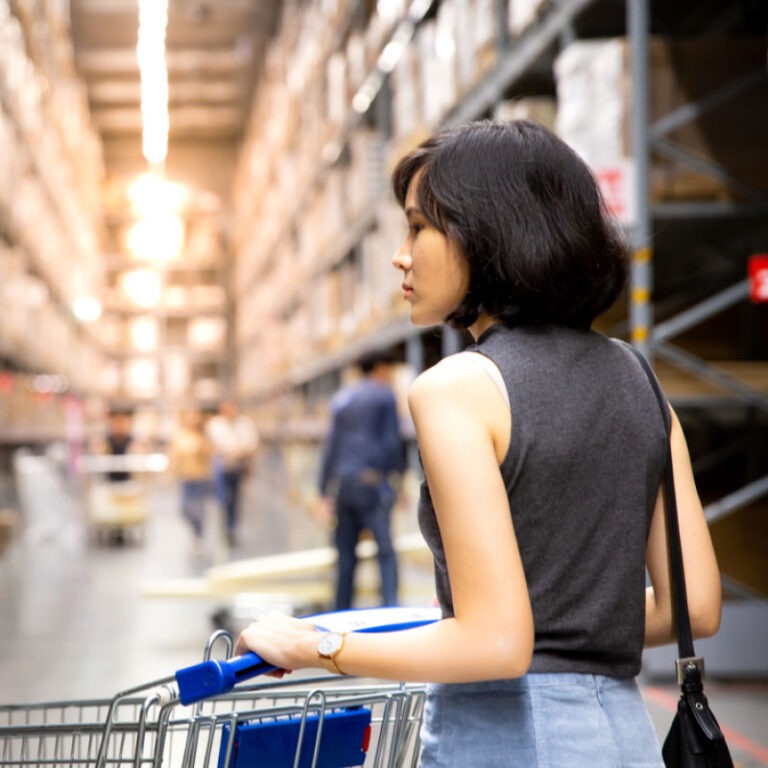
(75, 622)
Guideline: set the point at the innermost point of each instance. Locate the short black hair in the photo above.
(369, 360)
(528, 216)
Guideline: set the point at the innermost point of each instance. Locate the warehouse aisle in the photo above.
(74, 623)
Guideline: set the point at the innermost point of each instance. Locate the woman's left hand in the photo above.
(281, 640)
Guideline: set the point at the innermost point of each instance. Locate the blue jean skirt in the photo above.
(561, 720)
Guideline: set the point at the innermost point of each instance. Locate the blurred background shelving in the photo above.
(285, 118)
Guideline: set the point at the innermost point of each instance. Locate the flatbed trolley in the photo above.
(114, 510)
(197, 718)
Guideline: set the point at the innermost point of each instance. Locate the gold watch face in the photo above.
(329, 644)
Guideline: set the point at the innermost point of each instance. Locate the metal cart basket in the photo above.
(314, 722)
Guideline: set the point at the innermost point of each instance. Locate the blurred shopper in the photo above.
(189, 455)
(118, 441)
(543, 450)
(362, 459)
(234, 440)
(116, 500)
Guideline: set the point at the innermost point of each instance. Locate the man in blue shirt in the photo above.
(362, 452)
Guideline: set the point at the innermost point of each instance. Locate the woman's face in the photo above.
(435, 273)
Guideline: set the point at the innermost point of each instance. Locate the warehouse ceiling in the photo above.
(214, 54)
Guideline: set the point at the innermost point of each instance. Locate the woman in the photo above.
(543, 449)
(189, 455)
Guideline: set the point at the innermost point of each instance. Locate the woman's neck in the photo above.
(481, 325)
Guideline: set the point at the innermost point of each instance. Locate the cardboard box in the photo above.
(595, 101)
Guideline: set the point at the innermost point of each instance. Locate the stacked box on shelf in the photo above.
(463, 35)
(356, 68)
(406, 95)
(436, 56)
(297, 337)
(141, 376)
(522, 13)
(446, 80)
(450, 53)
(377, 33)
(206, 333)
(55, 228)
(20, 293)
(208, 298)
(541, 109)
(31, 94)
(329, 310)
(108, 332)
(337, 100)
(315, 224)
(485, 23)
(177, 374)
(348, 276)
(364, 177)
(594, 109)
(378, 248)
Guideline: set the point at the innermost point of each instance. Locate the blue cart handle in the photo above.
(213, 677)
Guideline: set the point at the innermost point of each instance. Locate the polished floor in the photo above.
(76, 621)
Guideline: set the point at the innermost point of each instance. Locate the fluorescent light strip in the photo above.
(150, 52)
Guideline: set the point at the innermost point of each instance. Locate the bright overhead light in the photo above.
(87, 309)
(152, 195)
(156, 238)
(142, 287)
(144, 334)
(150, 53)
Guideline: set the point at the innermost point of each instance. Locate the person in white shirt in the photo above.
(234, 440)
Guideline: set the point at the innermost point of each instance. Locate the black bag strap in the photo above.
(682, 619)
(690, 670)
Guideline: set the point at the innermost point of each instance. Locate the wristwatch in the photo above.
(329, 646)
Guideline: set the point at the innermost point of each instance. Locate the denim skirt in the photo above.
(560, 720)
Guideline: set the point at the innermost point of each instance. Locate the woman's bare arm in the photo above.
(456, 409)
(702, 576)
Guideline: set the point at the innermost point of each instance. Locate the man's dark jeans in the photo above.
(363, 505)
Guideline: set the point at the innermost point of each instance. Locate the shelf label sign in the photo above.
(758, 278)
(617, 187)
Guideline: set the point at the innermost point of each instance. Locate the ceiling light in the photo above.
(150, 53)
(87, 309)
(158, 238)
(142, 287)
(152, 195)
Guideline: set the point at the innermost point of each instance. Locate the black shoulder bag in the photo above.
(694, 739)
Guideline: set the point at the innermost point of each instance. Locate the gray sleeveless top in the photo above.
(582, 472)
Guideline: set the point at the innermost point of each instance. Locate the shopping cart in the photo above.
(198, 718)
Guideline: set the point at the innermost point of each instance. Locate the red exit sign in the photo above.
(758, 278)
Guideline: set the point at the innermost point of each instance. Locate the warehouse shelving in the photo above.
(49, 228)
(719, 385)
(314, 225)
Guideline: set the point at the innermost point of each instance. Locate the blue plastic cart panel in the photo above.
(343, 742)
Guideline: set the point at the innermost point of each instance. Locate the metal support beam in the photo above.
(695, 109)
(641, 274)
(736, 500)
(701, 311)
(521, 57)
(708, 209)
(702, 165)
(740, 590)
(698, 367)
